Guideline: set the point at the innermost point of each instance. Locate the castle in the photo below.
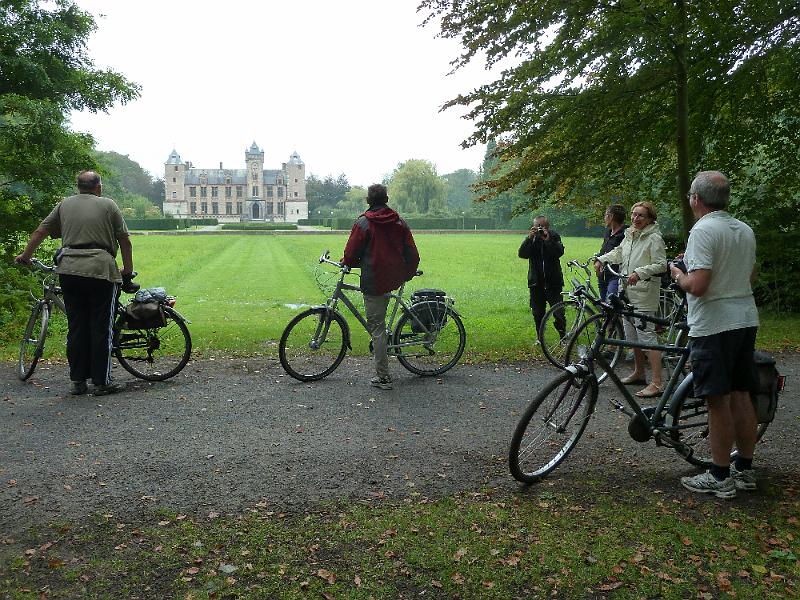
(233, 195)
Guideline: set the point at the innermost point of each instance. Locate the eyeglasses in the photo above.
(689, 195)
(639, 215)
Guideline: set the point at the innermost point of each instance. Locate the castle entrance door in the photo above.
(256, 214)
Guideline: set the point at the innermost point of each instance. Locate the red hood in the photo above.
(382, 215)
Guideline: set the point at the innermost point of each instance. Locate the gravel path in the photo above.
(227, 434)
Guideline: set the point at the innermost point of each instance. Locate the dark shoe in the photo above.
(384, 383)
(109, 388)
(78, 388)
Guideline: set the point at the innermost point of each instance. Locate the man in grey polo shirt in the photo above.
(723, 320)
(90, 227)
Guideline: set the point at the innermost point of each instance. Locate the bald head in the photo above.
(88, 182)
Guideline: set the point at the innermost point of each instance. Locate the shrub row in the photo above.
(168, 224)
(259, 226)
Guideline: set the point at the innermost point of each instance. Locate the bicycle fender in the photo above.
(180, 316)
(681, 391)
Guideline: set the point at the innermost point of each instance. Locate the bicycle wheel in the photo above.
(32, 346)
(551, 426)
(553, 345)
(154, 354)
(584, 337)
(430, 352)
(688, 418)
(312, 346)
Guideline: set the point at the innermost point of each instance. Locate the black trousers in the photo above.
(90, 317)
(540, 298)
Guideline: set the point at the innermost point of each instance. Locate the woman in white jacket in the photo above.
(642, 256)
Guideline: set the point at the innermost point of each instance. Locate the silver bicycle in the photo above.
(426, 335)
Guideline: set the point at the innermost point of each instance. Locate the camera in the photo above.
(540, 229)
(678, 262)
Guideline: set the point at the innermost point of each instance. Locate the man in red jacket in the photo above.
(380, 244)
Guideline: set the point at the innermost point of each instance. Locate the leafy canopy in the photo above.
(623, 99)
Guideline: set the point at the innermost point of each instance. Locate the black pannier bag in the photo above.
(430, 308)
(144, 315)
(770, 384)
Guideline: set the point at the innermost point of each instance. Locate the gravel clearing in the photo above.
(229, 433)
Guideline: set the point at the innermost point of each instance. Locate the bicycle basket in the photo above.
(430, 308)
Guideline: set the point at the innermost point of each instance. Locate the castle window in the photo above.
(239, 192)
(269, 191)
(214, 208)
(174, 195)
(238, 208)
(193, 207)
(295, 194)
(214, 192)
(227, 180)
(174, 180)
(203, 192)
(193, 191)
(295, 179)
(228, 208)
(176, 167)
(280, 208)
(204, 208)
(280, 192)
(228, 192)
(255, 191)
(269, 208)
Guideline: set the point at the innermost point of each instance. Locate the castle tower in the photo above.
(174, 181)
(256, 209)
(296, 204)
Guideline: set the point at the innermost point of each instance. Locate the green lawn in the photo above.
(241, 291)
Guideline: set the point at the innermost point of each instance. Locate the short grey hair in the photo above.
(713, 188)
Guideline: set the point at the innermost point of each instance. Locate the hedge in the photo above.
(259, 226)
(168, 224)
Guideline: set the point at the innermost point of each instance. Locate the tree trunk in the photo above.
(682, 129)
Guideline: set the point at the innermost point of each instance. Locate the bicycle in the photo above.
(579, 305)
(428, 339)
(670, 329)
(152, 353)
(556, 418)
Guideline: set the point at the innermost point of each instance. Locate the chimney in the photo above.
(220, 165)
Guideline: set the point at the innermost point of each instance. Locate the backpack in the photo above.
(770, 384)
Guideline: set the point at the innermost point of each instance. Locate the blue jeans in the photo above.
(608, 287)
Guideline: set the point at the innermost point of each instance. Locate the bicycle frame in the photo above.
(649, 418)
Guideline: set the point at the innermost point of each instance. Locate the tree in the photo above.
(627, 98)
(459, 193)
(415, 187)
(354, 203)
(327, 192)
(128, 183)
(44, 74)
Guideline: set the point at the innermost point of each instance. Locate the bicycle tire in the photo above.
(299, 359)
(688, 419)
(153, 354)
(430, 353)
(554, 347)
(564, 397)
(32, 345)
(584, 337)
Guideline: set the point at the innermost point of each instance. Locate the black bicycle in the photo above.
(153, 351)
(556, 418)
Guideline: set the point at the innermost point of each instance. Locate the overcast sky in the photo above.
(354, 86)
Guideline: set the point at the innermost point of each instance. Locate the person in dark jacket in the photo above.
(380, 244)
(543, 249)
(615, 222)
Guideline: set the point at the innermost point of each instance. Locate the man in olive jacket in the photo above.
(543, 249)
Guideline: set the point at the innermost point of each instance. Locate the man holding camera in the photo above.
(90, 227)
(723, 320)
(543, 249)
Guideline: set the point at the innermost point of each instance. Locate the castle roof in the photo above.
(295, 159)
(174, 158)
(238, 176)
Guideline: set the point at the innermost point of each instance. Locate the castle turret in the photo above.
(254, 157)
(174, 182)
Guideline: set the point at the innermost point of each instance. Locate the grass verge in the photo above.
(605, 542)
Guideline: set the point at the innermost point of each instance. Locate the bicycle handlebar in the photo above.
(324, 258)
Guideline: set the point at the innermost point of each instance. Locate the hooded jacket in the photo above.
(381, 244)
(641, 251)
(547, 254)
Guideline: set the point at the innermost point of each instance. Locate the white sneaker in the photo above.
(744, 480)
(706, 483)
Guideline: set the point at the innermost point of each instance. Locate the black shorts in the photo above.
(723, 363)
